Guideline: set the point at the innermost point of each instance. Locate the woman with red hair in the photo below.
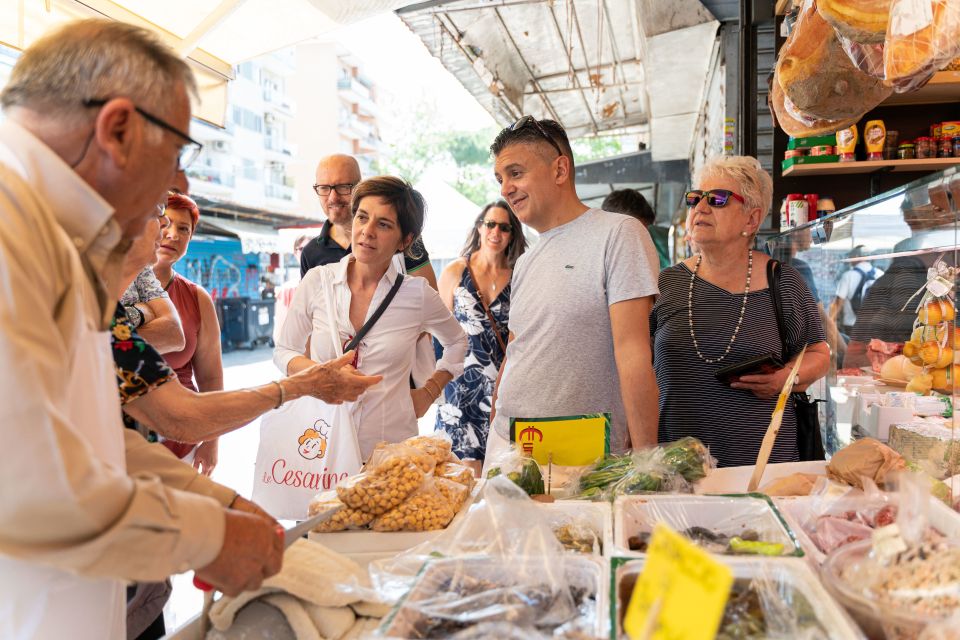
(200, 358)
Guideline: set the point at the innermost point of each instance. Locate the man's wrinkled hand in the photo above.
(242, 504)
(252, 551)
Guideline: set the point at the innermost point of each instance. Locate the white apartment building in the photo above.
(248, 163)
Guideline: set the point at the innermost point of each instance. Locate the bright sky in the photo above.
(402, 67)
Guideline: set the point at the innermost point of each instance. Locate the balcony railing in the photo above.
(211, 175)
(278, 191)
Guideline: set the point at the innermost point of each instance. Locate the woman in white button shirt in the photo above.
(388, 217)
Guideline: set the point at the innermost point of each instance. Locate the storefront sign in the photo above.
(681, 593)
(564, 440)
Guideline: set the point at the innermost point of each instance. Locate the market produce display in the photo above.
(747, 542)
(670, 467)
(402, 488)
(758, 608)
(523, 472)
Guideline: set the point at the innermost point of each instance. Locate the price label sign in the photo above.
(570, 440)
(681, 593)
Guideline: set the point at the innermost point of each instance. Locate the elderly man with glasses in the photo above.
(579, 333)
(95, 135)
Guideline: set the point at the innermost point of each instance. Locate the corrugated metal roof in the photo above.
(587, 64)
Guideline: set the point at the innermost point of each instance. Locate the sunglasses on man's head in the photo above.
(715, 197)
(506, 227)
(530, 121)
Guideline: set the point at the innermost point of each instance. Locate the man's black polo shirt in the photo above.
(324, 250)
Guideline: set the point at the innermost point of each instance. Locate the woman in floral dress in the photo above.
(476, 288)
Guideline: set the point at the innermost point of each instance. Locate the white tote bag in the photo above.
(306, 446)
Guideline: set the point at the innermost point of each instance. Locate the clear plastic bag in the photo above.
(456, 472)
(522, 471)
(922, 37)
(384, 453)
(670, 468)
(427, 509)
(503, 523)
(345, 518)
(458, 595)
(386, 481)
(437, 445)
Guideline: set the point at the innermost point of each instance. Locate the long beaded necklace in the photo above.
(743, 308)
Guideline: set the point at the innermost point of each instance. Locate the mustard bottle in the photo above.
(874, 135)
(847, 143)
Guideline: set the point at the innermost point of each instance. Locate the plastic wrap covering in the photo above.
(734, 525)
(553, 596)
(669, 468)
(402, 488)
(922, 37)
(504, 523)
(777, 599)
(522, 471)
(819, 78)
(826, 521)
(898, 582)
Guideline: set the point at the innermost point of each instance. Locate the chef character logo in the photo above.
(313, 442)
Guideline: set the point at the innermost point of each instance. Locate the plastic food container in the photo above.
(791, 578)
(725, 515)
(878, 618)
(597, 517)
(797, 510)
(448, 590)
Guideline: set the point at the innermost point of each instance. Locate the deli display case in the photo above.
(884, 275)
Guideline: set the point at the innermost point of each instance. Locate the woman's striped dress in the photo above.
(731, 422)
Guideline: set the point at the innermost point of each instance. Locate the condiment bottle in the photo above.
(874, 135)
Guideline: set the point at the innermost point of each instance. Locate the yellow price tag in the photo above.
(571, 440)
(681, 593)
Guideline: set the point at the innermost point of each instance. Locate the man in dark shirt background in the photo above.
(337, 175)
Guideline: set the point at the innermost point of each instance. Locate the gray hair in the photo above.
(756, 185)
(96, 59)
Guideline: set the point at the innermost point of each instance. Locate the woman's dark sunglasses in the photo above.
(715, 197)
(505, 227)
(530, 121)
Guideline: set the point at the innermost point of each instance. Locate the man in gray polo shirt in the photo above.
(581, 299)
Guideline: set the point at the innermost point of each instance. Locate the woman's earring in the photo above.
(743, 233)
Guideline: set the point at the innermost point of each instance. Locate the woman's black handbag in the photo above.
(809, 438)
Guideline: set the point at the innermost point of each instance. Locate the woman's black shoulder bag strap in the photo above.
(376, 314)
(809, 438)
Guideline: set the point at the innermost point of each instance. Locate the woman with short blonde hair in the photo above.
(715, 309)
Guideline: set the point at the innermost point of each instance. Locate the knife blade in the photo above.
(298, 530)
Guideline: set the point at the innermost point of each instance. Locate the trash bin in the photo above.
(260, 321)
(234, 329)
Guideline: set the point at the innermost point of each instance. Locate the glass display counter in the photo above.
(883, 272)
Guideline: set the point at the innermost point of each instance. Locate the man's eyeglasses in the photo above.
(504, 226)
(530, 121)
(323, 190)
(189, 150)
(715, 197)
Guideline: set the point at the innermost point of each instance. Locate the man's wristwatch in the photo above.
(134, 315)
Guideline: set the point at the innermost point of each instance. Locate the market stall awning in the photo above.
(254, 238)
(213, 35)
(596, 66)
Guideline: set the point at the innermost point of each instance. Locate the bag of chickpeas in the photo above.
(426, 510)
(383, 486)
